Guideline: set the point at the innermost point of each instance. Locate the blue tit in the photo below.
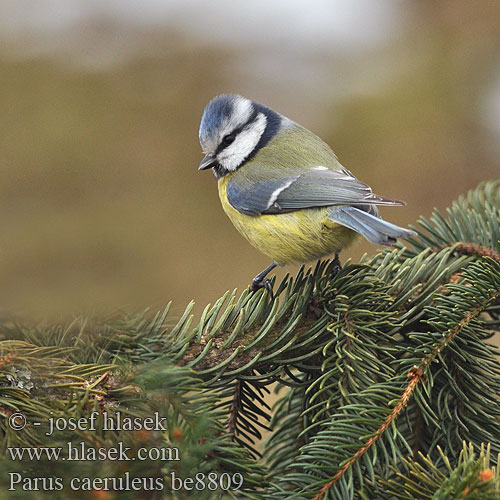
(283, 187)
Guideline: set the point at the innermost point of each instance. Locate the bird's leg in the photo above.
(335, 263)
(260, 282)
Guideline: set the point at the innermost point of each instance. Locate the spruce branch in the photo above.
(383, 359)
(473, 477)
(416, 375)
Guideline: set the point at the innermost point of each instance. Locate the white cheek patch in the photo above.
(242, 110)
(234, 155)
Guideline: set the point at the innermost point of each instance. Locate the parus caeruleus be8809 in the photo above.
(283, 187)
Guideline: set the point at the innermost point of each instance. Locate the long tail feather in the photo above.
(373, 228)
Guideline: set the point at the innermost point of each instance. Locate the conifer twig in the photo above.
(468, 248)
(233, 413)
(415, 375)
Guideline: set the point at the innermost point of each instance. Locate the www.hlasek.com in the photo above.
(82, 452)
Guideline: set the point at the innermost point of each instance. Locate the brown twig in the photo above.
(233, 413)
(477, 250)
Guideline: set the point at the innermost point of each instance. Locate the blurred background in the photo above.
(101, 204)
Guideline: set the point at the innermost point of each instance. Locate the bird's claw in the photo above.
(265, 283)
(335, 264)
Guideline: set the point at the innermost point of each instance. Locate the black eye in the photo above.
(229, 139)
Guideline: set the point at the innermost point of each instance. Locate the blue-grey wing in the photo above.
(316, 187)
(257, 198)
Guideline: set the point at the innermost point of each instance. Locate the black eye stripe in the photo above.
(236, 131)
(229, 139)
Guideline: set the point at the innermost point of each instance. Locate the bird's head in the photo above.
(232, 129)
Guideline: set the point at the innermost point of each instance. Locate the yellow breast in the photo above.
(293, 237)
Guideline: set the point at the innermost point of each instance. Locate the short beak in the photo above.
(207, 162)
